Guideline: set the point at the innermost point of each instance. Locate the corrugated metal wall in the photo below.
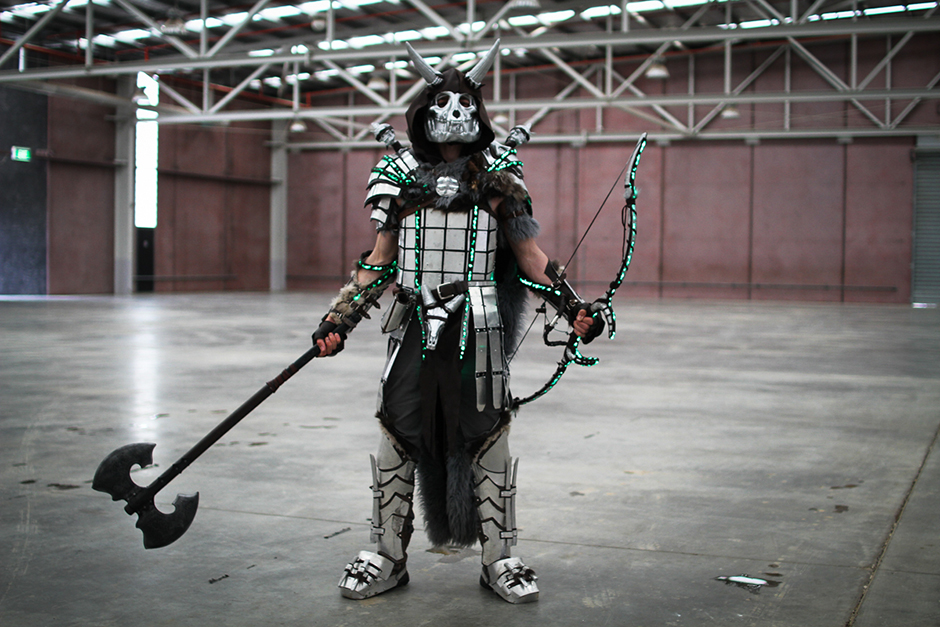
(926, 265)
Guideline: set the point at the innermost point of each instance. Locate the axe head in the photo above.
(114, 477)
(162, 529)
(114, 472)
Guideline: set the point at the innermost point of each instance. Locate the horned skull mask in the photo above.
(451, 108)
(452, 117)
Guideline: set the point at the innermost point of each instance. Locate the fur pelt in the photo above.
(447, 499)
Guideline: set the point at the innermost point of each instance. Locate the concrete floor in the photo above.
(792, 442)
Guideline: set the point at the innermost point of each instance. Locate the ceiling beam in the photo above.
(702, 35)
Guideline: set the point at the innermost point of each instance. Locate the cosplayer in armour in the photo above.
(455, 234)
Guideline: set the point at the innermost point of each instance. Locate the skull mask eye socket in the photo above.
(452, 118)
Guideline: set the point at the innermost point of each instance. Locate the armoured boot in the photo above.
(495, 487)
(393, 483)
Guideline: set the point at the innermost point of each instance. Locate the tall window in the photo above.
(145, 159)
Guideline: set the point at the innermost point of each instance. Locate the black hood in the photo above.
(456, 82)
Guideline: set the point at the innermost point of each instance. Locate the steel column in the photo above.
(278, 242)
(125, 135)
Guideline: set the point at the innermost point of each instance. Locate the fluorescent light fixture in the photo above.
(366, 40)
(406, 35)
(554, 17)
(276, 13)
(600, 11)
(758, 23)
(523, 20)
(882, 10)
(132, 35)
(645, 5)
(336, 44)
(434, 32)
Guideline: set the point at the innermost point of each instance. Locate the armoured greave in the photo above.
(392, 525)
(393, 485)
(495, 487)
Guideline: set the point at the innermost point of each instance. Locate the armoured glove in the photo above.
(326, 327)
(596, 328)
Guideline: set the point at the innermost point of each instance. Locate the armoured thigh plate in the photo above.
(446, 262)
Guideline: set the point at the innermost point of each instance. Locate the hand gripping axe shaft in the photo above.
(160, 529)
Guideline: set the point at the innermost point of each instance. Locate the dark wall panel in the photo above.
(360, 232)
(599, 256)
(213, 224)
(81, 195)
(798, 220)
(879, 201)
(249, 236)
(317, 211)
(22, 194)
(81, 229)
(706, 242)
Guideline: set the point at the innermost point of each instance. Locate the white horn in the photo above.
(478, 73)
(431, 76)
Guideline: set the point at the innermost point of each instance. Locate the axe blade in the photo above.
(161, 529)
(114, 477)
(114, 472)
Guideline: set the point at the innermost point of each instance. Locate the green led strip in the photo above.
(538, 287)
(502, 162)
(464, 329)
(377, 268)
(393, 172)
(418, 308)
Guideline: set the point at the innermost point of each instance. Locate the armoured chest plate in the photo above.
(437, 247)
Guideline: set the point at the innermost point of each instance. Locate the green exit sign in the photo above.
(20, 153)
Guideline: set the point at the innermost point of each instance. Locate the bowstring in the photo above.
(597, 213)
(573, 253)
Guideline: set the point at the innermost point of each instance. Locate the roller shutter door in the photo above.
(925, 277)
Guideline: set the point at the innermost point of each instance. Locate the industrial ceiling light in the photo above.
(501, 118)
(525, 5)
(730, 112)
(298, 126)
(174, 24)
(657, 70)
(377, 83)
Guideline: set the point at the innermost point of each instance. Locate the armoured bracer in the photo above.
(495, 488)
(560, 294)
(354, 294)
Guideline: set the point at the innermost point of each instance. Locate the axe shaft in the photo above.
(144, 497)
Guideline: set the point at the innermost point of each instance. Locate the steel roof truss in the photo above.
(176, 42)
(48, 17)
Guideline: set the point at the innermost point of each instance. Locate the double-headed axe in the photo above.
(113, 474)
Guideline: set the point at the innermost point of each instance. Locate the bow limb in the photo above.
(603, 305)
